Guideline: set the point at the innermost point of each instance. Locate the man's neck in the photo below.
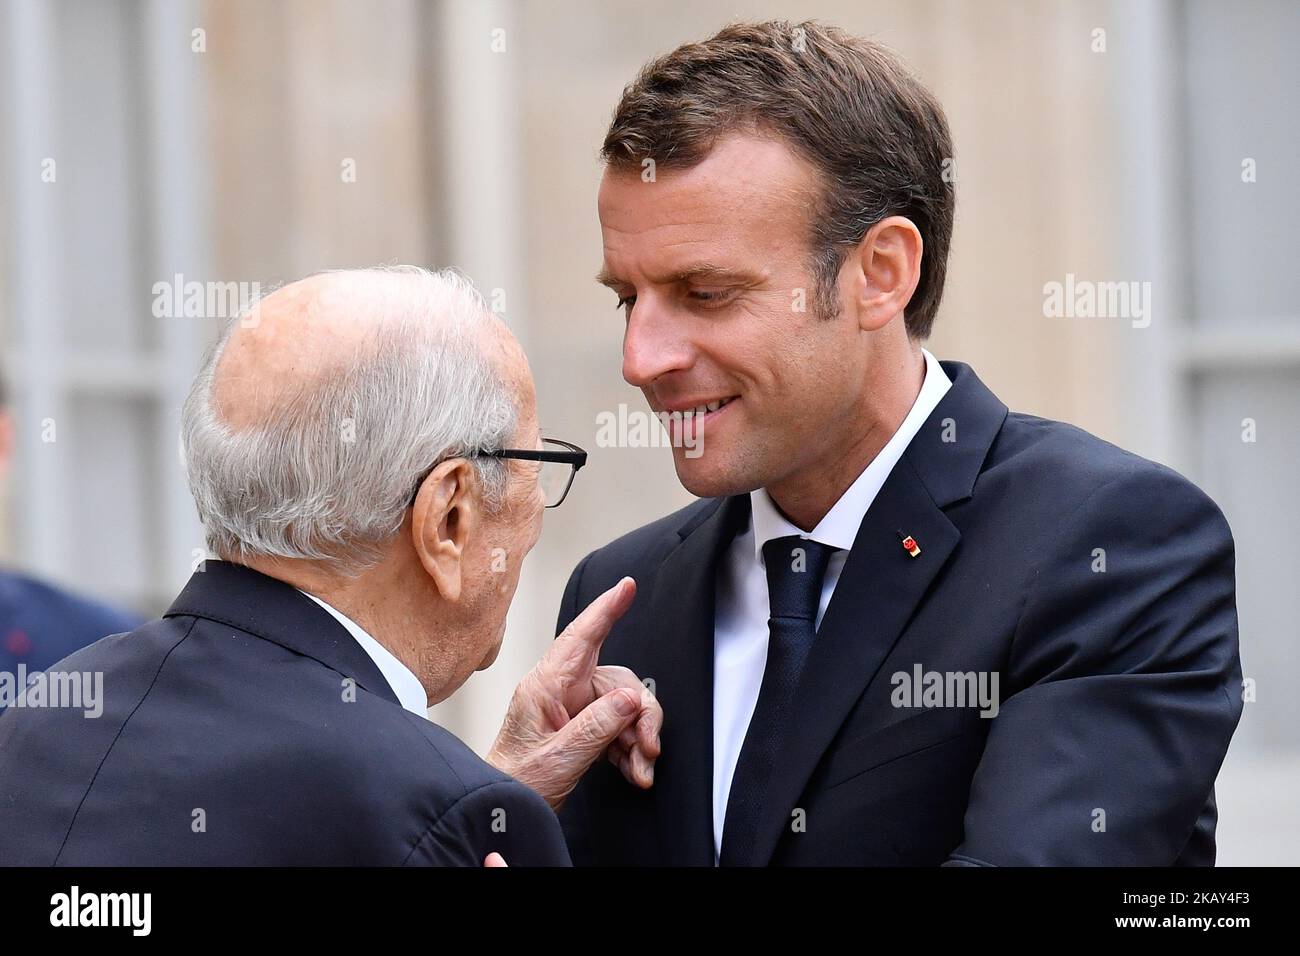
(807, 496)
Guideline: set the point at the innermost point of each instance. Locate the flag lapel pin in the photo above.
(910, 545)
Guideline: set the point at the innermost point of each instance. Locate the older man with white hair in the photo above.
(364, 453)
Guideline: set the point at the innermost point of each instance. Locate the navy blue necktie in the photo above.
(795, 569)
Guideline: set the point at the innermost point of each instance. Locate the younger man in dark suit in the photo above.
(904, 626)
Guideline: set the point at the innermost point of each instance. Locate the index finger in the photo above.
(574, 653)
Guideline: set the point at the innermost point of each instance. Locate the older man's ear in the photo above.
(446, 512)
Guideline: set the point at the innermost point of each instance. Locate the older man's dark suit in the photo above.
(248, 727)
(1120, 688)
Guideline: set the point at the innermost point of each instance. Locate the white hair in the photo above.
(330, 474)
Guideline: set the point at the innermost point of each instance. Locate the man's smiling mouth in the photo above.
(688, 411)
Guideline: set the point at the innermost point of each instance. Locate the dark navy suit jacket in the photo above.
(41, 624)
(248, 727)
(1120, 688)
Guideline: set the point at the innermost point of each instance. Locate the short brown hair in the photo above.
(848, 105)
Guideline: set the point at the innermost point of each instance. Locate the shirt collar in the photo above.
(839, 527)
(405, 684)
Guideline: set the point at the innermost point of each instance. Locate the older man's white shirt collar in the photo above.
(840, 526)
(405, 684)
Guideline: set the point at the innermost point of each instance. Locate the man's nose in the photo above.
(654, 344)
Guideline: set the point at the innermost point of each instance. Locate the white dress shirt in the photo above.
(405, 684)
(740, 621)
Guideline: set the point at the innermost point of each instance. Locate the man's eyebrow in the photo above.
(709, 271)
(703, 271)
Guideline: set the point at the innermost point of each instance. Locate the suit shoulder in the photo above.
(392, 769)
(458, 768)
(413, 755)
(450, 771)
(1080, 472)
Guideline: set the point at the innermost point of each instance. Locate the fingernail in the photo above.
(625, 705)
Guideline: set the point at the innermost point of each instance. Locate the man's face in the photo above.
(711, 263)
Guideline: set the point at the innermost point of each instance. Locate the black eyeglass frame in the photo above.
(573, 456)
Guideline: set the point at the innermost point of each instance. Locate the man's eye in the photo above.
(625, 302)
(710, 297)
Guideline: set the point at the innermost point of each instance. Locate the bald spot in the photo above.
(316, 328)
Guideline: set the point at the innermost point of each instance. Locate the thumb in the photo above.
(584, 738)
(495, 859)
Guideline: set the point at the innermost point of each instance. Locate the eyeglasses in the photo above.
(559, 461)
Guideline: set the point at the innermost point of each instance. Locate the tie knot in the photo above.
(795, 569)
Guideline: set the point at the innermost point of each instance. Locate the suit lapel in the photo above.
(881, 585)
(679, 655)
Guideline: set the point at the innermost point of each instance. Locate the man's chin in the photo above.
(705, 478)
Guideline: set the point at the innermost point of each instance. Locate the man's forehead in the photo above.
(742, 171)
(748, 192)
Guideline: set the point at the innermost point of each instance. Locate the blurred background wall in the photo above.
(250, 142)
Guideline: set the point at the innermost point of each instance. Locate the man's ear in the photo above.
(445, 515)
(889, 268)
